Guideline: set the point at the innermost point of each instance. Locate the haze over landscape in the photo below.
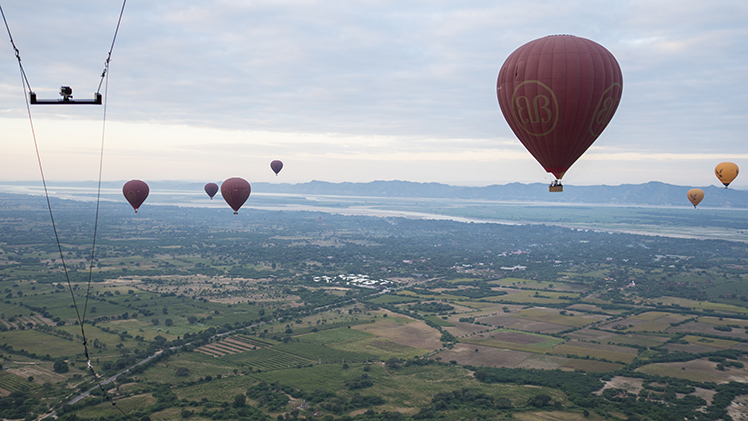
(408, 261)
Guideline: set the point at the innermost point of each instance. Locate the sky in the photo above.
(357, 91)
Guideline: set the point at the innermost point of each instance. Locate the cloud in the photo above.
(405, 81)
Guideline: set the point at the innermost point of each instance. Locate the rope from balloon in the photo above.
(81, 318)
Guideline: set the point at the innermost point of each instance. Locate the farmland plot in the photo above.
(485, 356)
(513, 321)
(403, 331)
(461, 329)
(700, 370)
(516, 340)
(612, 338)
(706, 328)
(599, 351)
(554, 316)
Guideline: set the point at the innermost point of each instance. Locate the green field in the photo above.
(535, 343)
(667, 370)
(581, 351)
(651, 315)
(534, 297)
(719, 343)
(381, 347)
(554, 317)
(325, 354)
(13, 383)
(437, 320)
(393, 299)
(199, 365)
(334, 336)
(41, 343)
(267, 359)
(127, 405)
(723, 322)
(590, 365)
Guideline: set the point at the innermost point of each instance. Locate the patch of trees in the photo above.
(9, 348)
(465, 398)
(339, 404)
(20, 405)
(432, 307)
(574, 384)
(60, 366)
(360, 382)
(268, 396)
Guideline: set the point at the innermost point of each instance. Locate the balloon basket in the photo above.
(556, 188)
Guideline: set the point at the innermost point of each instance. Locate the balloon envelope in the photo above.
(211, 189)
(695, 196)
(135, 192)
(558, 93)
(235, 192)
(276, 166)
(726, 172)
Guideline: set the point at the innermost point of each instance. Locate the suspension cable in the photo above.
(18, 54)
(81, 318)
(109, 56)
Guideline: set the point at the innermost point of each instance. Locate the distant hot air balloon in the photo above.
(135, 192)
(211, 189)
(695, 196)
(558, 93)
(235, 192)
(726, 172)
(276, 166)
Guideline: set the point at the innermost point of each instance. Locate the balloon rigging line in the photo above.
(18, 54)
(109, 56)
(81, 319)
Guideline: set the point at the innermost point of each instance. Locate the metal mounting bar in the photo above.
(67, 98)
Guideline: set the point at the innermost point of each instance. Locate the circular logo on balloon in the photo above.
(605, 109)
(535, 107)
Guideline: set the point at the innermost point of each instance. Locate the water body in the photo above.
(679, 222)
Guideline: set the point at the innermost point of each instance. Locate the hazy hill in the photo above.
(652, 193)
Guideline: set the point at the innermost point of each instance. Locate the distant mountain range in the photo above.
(649, 194)
(652, 193)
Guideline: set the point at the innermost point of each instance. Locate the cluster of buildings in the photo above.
(356, 280)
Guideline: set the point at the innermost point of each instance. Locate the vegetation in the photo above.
(217, 318)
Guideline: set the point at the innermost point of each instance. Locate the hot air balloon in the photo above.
(726, 172)
(235, 192)
(135, 192)
(211, 189)
(695, 196)
(277, 166)
(558, 93)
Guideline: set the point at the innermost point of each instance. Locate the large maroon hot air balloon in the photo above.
(211, 189)
(276, 166)
(558, 94)
(235, 192)
(135, 192)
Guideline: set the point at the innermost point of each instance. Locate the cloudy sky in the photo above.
(361, 90)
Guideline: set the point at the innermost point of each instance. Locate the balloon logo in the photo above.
(726, 172)
(211, 189)
(235, 192)
(135, 192)
(558, 94)
(276, 166)
(695, 196)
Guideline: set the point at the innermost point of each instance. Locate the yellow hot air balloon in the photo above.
(726, 172)
(695, 196)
